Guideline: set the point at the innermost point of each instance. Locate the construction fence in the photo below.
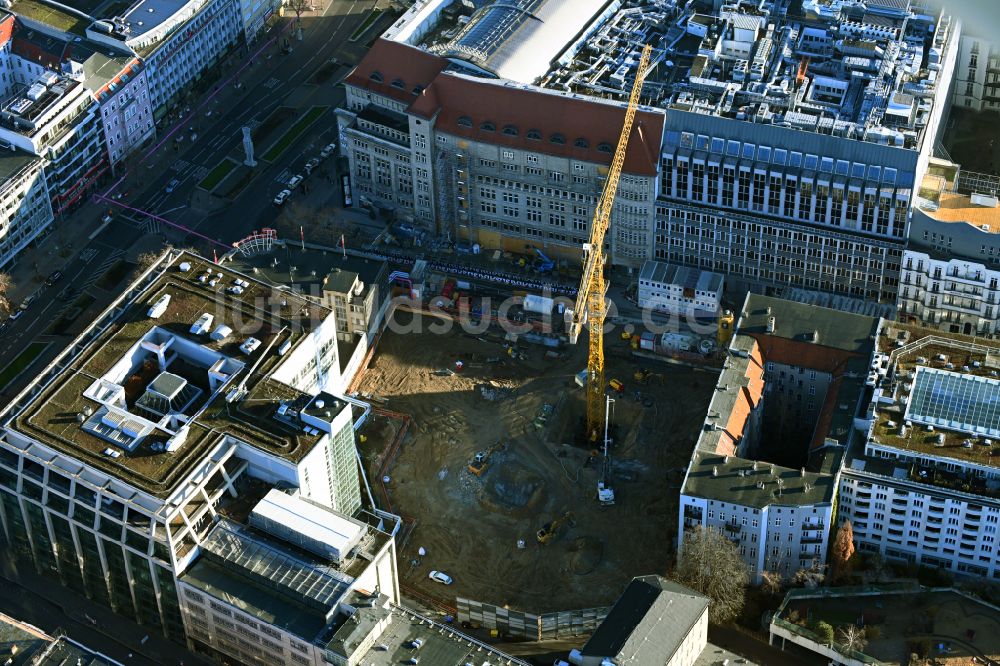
(530, 626)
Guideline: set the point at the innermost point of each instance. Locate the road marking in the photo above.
(271, 83)
(87, 255)
(179, 165)
(200, 173)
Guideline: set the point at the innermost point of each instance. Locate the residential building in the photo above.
(25, 207)
(951, 267)
(922, 484)
(679, 290)
(782, 152)
(977, 74)
(53, 116)
(27, 645)
(946, 612)
(186, 401)
(764, 470)
(176, 40)
(654, 621)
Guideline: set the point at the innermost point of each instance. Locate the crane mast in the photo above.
(590, 305)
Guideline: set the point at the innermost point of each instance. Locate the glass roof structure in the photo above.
(955, 401)
(272, 567)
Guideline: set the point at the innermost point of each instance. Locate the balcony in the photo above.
(692, 512)
(734, 528)
(811, 539)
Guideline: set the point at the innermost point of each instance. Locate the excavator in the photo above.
(481, 460)
(549, 530)
(644, 376)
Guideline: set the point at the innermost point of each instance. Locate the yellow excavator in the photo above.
(644, 376)
(482, 459)
(549, 530)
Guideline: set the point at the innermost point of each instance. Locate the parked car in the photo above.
(440, 577)
(310, 165)
(26, 303)
(15, 315)
(282, 197)
(53, 277)
(294, 181)
(328, 150)
(172, 185)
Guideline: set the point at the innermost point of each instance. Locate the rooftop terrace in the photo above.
(953, 207)
(116, 363)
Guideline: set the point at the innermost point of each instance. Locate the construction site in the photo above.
(477, 517)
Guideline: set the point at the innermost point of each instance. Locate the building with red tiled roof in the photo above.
(492, 162)
(764, 470)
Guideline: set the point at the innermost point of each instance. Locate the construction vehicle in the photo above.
(482, 459)
(644, 376)
(616, 386)
(549, 530)
(543, 264)
(605, 493)
(590, 305)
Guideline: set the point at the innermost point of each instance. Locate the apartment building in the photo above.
(679, 289)
(25, 206)
(951, 267)
(765, 467)
(783, 154)
(176, 40)
(922, 485)
(977, 74)
(52, 116)
(183, 404)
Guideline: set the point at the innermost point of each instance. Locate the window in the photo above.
(604, 147)
(376, 76)
(464, 121)
(398, 83)
(507, 154)
(509, 130)
(557, 139)
(488, 127)
(534, 135)
(581, 143)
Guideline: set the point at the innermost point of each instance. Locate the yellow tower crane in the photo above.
(590, 305)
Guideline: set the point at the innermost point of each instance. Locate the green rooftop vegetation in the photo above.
(37, 11)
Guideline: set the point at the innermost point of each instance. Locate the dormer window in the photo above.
(398, 83)
(534, 135)
(464, 121)
(510, 130)
(581, 143)
(557, 139)
(604, 147)
(488, 127)
(376, 77)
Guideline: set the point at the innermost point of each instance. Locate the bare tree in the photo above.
(851, 638)
(843, 550)
(812, 577)
(770, 582)
(299, 6)
(709, 563)
(6, 285)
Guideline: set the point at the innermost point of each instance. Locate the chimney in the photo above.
(802, 472)
(770, 324)
(715, 471)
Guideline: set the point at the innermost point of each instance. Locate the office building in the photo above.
(24, 202)
(977, 74)
(679, 290)
(951, 267)
(781, 150)
(193, 395)
(764, 470)
(176, 40)
(922, 484)
(22, 644)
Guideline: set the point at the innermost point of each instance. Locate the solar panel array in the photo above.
(956, 401)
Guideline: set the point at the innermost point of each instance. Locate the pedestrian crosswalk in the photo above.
(93, 276)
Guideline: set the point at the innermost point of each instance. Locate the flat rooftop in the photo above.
(683, 276)
(310, 271)
(146, 15)
(13, 163)
(938, 394)
(953, 207)
(51, 16)
(117, 366)
(965, 630)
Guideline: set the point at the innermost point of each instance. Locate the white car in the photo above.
(294, 181)
(440, 577)
(328, 150)
(282, 197)
(250, 346)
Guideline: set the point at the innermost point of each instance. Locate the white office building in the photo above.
(177, 425)
(977, 74)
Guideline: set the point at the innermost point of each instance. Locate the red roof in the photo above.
(6, 28)
(394, 69)
(570, 118)
(416, 77)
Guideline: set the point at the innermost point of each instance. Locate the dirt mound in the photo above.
(585, 554)
(512, 488)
